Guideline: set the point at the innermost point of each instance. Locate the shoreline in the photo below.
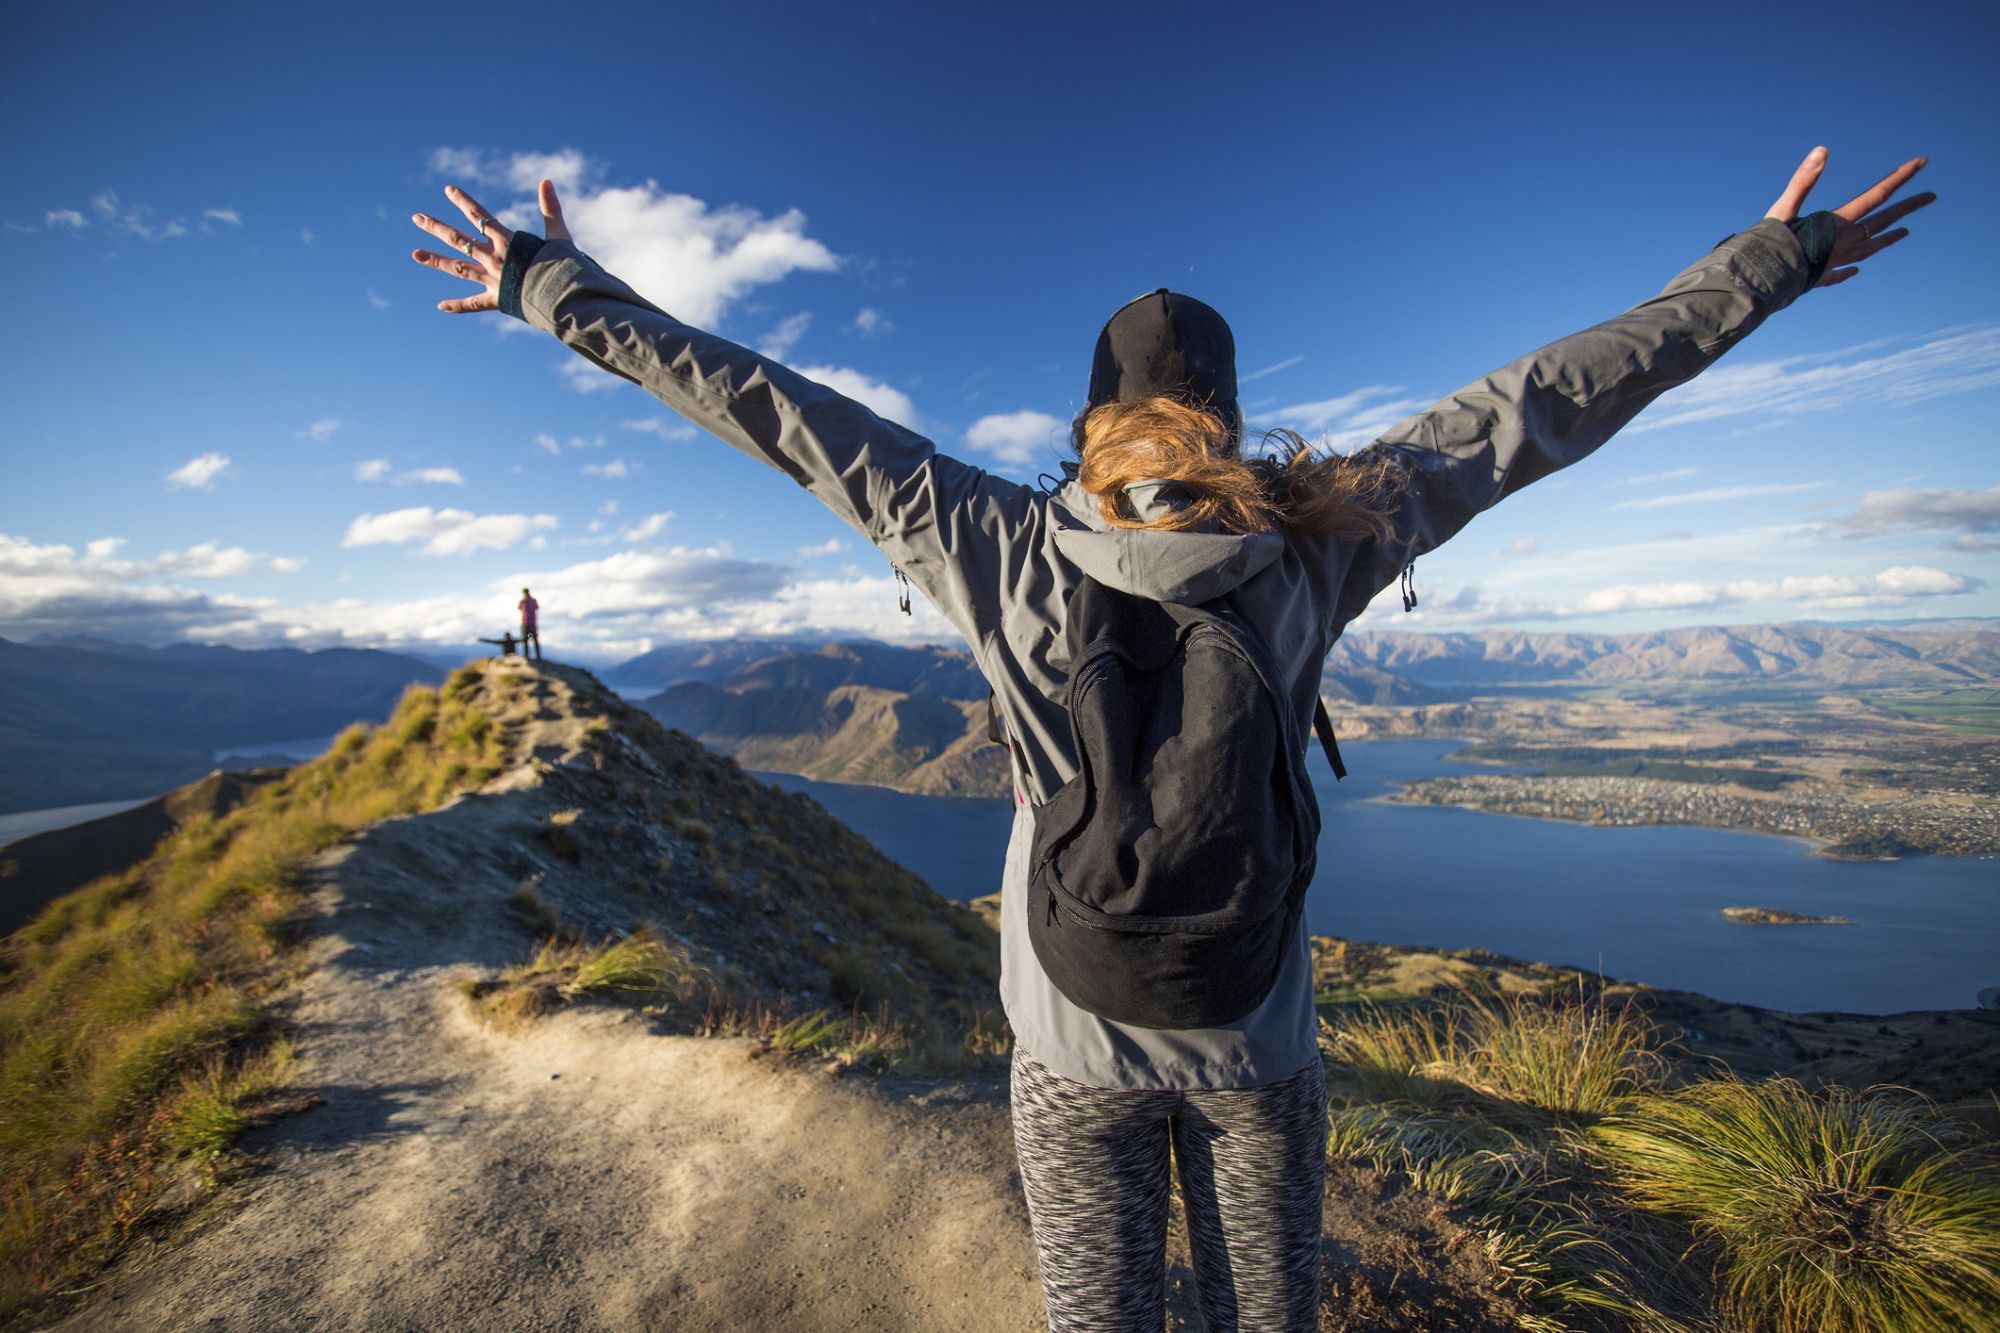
(1813, 846)
(1822, 845)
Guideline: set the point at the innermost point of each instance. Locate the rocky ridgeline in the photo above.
(611, 820)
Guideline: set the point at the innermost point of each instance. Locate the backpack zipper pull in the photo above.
(1409, 588)
(902, 593)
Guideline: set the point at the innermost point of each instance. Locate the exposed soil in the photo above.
(593, 1171)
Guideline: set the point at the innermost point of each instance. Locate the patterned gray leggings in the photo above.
(1094, 1165)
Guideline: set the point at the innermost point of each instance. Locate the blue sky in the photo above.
(235, 414)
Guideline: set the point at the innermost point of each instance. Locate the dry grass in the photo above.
(640, 966)
(871, 1040)
(131, 1033)
(1603, 1192)
(1834, 1212)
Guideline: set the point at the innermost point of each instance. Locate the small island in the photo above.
(1771, 916)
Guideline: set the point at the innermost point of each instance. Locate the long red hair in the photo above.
(1353, 497)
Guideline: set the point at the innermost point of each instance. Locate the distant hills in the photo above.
(911, 718)
(1391, 668)
(85, 720)
(915, 718)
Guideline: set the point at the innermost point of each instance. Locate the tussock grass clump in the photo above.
(1831, 1212)
(121, 1001)
(1572, 1060)
(871, 1040)
(560, 835)
(1483, 1100)
(1600, 1189)
(640, 966)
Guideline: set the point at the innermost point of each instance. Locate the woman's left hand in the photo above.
(1858, 231)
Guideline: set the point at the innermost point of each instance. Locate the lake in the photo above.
(1641, 904)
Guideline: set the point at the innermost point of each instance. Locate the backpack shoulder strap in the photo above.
(1324, 726)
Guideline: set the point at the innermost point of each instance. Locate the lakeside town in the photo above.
(1898, 826)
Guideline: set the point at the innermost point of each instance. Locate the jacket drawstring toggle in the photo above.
(1409, 587)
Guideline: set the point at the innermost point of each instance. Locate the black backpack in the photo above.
(1168, 875)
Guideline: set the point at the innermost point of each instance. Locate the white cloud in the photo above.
(1973, 515)
(1804, 594)
(1950, 361)
(1286, 364)
(204, 561)
(132, 220)
(667, 428)
(1349, 419)
(306, 235)
(646, 528)
(683, 254)
(610, 471)
(1525, 546)
(199, 473)
(831, 546)
(1839, 592)
(228, 215)
(430, 476)
(1717, 494)
(371, 469)
(581, 376)
(63, 217)
(321, 430)
(1648, 478)
(379, 302)
(892, 404)
(1015, 437)
(286, 564)
(779, 341)
(871, 323)
(445, 531)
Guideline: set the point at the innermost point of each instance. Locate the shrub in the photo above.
(851, 975)
(1824, 1212)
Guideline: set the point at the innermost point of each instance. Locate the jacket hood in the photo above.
(1185, 567)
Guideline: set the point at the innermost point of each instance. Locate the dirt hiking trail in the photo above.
(589, 1173)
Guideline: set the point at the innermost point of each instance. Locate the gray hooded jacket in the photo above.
(999, 559)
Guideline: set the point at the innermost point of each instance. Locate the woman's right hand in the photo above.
(1858, 233)
(481, 259)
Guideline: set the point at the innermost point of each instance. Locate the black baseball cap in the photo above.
(1167, 344)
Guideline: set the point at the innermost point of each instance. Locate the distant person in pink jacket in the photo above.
(529, 632)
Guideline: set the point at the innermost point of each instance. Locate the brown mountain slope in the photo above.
(915, 718)
(42, 867)
(910, 718)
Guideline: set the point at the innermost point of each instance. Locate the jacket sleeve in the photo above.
(946, 524)
(1555, 405)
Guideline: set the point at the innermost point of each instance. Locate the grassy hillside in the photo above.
(136, 1027)
(132, 1032)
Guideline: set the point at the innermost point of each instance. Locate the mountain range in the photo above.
(915, 718)
(85, 720)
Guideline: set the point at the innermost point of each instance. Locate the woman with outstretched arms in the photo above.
(1162, 503)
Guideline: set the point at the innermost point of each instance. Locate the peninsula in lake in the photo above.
(1873, 741)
